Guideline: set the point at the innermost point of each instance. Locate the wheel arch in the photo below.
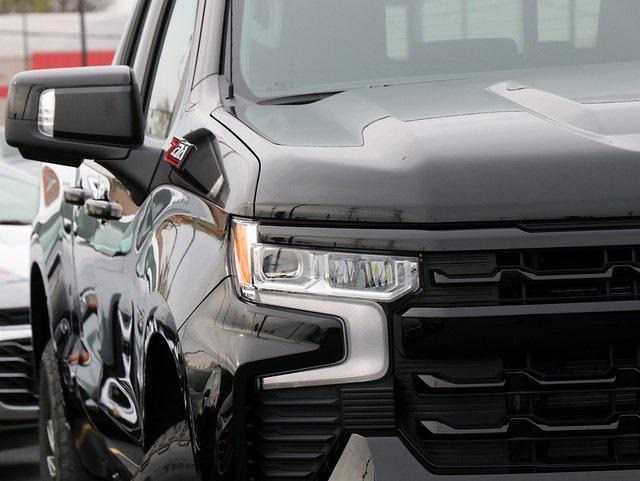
(39, 314)
(165, 394)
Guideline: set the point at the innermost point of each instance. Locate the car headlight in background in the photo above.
(266, 267)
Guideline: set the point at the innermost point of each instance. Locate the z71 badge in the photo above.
(178, 152)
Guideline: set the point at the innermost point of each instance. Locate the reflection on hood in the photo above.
(340, 120)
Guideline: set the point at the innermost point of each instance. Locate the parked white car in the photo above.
(19, 197)
(10, 155)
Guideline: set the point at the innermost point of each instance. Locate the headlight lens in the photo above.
(263, 267)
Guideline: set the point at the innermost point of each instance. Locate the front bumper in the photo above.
(17, 402)
(388, 459)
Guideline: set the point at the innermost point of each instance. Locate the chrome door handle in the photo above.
(75, 195)
(103, 209)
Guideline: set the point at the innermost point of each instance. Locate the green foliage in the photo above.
(8, 6)
(13, 6)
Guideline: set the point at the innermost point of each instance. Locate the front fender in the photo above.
(227, 344)
(161, 329)
(181, 256)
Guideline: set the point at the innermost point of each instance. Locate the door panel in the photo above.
(182, 255)
(105, 304)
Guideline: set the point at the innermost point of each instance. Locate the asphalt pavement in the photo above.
(20, 464)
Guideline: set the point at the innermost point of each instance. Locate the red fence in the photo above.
(69, 59)
(64, 59)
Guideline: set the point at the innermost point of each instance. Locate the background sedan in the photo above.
(18, 401)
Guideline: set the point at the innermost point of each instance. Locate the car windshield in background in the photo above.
(294, 47)
(18, 198)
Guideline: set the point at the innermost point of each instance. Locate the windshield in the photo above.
(294, 47)
(18, 199)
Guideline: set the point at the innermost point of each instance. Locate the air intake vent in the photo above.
(369, 410)
(292, 432)
(298, 434)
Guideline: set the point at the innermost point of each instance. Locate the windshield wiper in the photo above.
(299, 99)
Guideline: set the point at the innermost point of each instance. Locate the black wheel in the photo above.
(58, 459)
(170, 458)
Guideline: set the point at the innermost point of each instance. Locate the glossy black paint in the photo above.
(410, 238)
(253, 341)
(417, 175)
(388, 459)
(148, 326)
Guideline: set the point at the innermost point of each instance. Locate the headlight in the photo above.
(265, 267)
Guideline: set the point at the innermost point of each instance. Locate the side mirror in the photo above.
(64, 116)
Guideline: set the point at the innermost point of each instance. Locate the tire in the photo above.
(58, 458)
(170, 458)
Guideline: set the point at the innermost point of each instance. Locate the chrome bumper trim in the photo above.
(365, 324)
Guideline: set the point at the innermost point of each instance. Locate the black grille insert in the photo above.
(544, 276)
(521, 394)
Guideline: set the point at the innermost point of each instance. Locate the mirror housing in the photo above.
(63, 116)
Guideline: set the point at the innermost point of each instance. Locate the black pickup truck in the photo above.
(342, 240)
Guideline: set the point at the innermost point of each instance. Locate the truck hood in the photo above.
(516, 146)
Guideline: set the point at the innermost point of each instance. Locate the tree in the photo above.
(14, 6)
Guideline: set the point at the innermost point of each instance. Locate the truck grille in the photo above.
(16, 374)
(532, 277)
(541, 374)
